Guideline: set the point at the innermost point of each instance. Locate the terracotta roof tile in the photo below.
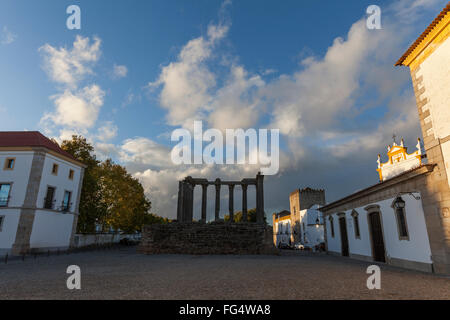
(30, 139)
(424, 34)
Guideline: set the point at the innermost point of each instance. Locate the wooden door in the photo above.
(376, 231)
(344, 237)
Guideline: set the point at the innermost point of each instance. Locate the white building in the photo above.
(385, 222)
(311, 227)
(282, 230)
(40, 187)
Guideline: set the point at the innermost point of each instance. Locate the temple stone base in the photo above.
(207, 238)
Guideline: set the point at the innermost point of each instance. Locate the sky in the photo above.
(138, 70)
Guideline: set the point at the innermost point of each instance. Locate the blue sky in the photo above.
(310, 68)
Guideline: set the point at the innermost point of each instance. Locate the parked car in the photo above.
(299, 246)
(283, 245)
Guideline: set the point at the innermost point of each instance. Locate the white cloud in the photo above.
(120, 71)
(76, 110)
(145, 152)
(7, 37)
(69, 67)
(411, 10)
(323, 108)
(187, 83)
(107, 131)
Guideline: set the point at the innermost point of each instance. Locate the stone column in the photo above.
(204, 195)
(244, 203)
(180, 208)
(190, 213)
(217, 209)
(188, 201)
(231, 202)
(259, 198)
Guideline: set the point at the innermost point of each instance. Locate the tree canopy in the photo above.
(110, 196)
(237, 216)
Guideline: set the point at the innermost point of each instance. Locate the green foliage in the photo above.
(151, 218)
(237, 217)
(110, 195)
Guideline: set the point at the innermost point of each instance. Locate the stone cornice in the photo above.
(413, 173)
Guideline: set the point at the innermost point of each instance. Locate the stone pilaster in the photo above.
(27, 213)
(436, 193)
(76, 212)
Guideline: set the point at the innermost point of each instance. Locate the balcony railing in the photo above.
(4, 201)
(65, 207)
(49, 204)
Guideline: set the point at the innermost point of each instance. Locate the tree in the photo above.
(123, 197)
(110, 196)
(90, 208)
(237, 216)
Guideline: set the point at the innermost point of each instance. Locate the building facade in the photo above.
(405, 219)
(40, 186)
(428, 59)
(282, 230)
(306, 221)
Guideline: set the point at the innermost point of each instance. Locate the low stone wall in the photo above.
(207, 238)
(85, 240)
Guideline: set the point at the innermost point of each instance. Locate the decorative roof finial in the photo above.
(393, 138)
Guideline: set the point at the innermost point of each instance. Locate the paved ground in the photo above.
(124, 274)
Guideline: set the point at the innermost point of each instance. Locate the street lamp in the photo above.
(399, 203)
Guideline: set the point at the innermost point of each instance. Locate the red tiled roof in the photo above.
(424, 34)
(31, 139)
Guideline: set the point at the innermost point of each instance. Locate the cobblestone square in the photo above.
(122, 273)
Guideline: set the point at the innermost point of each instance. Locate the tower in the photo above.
(429, 61)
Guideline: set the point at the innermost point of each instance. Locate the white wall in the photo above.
(280, 228)
(311, 234)
(19, 176)
(60, 181)
(51, 229)
(9, 228)
(417, 248)
(436, 79)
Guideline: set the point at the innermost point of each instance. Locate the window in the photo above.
(9, 163)
(4, 194)
(66, 202)
(399, 208)
(356, 224)
(71, 173)
(331, 226)
(48, 201)
(55, 169)
(2, 218)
